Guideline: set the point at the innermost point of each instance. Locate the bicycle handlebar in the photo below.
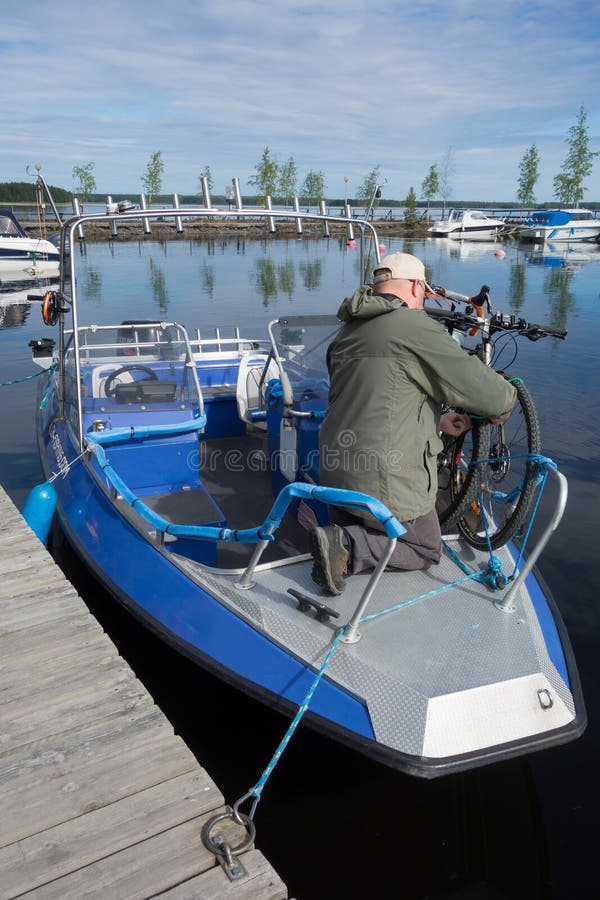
(497, 322)
(450, 295)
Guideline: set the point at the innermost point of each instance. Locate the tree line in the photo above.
(24, 192)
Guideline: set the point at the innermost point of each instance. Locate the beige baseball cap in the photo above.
(401, 265)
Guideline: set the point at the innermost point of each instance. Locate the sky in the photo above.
(341, 86)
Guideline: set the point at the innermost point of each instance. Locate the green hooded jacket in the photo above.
(391, 368)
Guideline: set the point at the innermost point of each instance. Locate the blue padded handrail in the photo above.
(263, 532)
(140, 432)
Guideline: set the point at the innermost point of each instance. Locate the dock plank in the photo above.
(260, 883)
(99, 797)
(31, 726)
(40, 804)
(143, 870)
(73, 750)
(64, 848)
(25, 642)
(57, 687)
(57, 660)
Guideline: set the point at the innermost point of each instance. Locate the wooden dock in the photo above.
(98, 796)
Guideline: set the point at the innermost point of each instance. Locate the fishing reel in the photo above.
(52, 307)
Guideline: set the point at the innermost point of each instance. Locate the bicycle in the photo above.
(488, 476)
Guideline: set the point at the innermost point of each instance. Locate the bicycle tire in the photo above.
(508, 480)
(458, 477)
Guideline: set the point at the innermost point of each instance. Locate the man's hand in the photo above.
(454, 423)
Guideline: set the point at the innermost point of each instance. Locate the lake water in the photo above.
(331, 822)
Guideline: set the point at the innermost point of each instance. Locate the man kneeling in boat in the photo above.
(391, 368)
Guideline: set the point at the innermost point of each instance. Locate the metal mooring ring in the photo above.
(217, 848)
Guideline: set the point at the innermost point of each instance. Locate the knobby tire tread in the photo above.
(462, 499)
(523, 506)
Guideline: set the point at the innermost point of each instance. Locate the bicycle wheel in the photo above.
(507, 480)
(458, 478)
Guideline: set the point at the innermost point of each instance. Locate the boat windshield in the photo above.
(136, 366)
(552, 217)
(8, 227)
(301, 343)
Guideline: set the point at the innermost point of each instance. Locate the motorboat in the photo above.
(21, 253)
(184, 472)
(467, 224)
(561, 225)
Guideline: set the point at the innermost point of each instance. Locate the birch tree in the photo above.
(568, 184)
(528, 176)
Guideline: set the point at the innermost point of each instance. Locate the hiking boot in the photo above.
(330, 558)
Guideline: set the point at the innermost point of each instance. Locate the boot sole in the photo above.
(321, 571)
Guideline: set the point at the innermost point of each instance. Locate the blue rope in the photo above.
(494, 576)
(28, 377)
(257, 790)
(541, 484)
(405, 603)
(46, 393)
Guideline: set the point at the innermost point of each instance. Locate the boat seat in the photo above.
(101, 373)
(249, 392)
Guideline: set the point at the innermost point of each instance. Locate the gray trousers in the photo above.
(419, 548)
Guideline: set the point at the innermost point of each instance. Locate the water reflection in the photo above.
(159, 288)
(207, 277)
(272, 279)
(516, 294)
(13, 312)
(15, 290)
(557, 286)
(92, 282)
(264, 279)
(286, 278)
(563, 256)
(312, 273)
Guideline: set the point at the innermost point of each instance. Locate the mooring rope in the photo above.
(257, 790)
(492, 575)
(51, 369)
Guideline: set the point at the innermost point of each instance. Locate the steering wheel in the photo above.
(110, 391)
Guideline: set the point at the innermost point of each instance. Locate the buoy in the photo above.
(351, 243)
(499, 254)
(382, 248)
(39, 509)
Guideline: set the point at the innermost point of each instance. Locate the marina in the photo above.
(274, 292)
(99, 796)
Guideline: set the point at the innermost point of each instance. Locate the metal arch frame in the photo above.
(69, 228)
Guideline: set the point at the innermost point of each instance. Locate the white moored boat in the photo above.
(21, 253)
(470, 224)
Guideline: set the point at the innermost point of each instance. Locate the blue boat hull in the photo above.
(147, 581)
